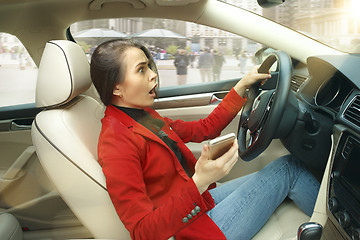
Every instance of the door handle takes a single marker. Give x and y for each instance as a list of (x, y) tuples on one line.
[(24, 124), (218, 97)]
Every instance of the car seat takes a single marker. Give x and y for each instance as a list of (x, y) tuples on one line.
[(65, 135)]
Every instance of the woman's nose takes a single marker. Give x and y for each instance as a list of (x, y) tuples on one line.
[(153, 75)]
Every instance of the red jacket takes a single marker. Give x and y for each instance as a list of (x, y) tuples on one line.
[(150, 190)]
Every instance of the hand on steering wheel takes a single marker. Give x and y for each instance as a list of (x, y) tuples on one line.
[(263, 111)]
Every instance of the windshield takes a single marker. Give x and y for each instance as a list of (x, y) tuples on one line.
[(332, 22)]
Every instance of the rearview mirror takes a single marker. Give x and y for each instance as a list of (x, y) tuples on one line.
[(270, 3)]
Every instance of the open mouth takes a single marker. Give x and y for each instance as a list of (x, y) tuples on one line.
[(152, 91)]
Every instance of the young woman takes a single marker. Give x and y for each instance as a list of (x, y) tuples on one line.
[(159, 189)]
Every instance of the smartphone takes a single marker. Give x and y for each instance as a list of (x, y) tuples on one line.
[(221, 145)]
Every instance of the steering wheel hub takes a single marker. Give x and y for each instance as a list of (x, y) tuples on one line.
[(260, 109)]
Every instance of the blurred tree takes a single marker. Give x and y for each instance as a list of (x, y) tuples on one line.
[(172, 49)]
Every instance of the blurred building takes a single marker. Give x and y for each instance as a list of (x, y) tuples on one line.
[(10, 43), (336, 22), (199, 36), (227, 43)]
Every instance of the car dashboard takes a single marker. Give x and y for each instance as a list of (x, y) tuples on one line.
[(330, 85)]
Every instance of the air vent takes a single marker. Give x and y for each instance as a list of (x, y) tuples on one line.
[(347, 148), (352, 113), (297, 81)]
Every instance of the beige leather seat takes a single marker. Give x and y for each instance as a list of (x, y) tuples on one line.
[(65, 136)]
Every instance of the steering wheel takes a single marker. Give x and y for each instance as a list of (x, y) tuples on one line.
[(263, 110)]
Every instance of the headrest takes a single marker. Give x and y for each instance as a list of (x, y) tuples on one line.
[(64, 73)]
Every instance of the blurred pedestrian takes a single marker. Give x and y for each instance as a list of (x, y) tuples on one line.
[(181, 62), (243, 61), (219, 61), (205, 65), (192, 59), (236, 53)]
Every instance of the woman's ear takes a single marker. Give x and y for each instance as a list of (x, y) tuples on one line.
[(117, 91)]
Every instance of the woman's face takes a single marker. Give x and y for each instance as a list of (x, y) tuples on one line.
[(137, 89)]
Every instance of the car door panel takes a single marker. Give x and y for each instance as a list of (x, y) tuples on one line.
[(25, 189), (190, 89)]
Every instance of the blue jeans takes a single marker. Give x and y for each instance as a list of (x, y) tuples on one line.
[(243, 205)]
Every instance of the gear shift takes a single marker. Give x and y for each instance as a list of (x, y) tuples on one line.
[(309, 231)]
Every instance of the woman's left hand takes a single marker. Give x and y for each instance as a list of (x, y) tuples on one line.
[(249, 79)]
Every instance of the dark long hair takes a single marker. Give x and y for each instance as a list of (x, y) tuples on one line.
[(107, 67)]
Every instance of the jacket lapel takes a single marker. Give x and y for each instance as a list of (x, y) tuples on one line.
[(140, 129)]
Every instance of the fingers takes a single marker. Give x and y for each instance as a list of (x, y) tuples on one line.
[(255, 72), (261, 76), (254, 77), (235, 156), (230, 164), (205, 152), (227, 157), (206, 149)]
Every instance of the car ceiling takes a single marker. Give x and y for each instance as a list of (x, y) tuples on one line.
[(36, 21)]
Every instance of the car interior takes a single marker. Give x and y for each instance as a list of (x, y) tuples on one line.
[(51, 185)]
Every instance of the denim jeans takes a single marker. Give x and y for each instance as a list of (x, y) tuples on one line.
[(243, 205)]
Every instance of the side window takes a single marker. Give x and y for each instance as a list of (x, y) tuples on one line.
[(185, 52), (17, 72)]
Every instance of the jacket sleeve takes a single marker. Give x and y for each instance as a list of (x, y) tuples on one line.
[(125, 183), (211, 126)]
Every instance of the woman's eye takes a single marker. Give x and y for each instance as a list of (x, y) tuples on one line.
[(144, 68)]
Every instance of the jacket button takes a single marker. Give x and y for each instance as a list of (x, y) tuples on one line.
[(189, 216), (193, 212), (197, 209), (185, 220)]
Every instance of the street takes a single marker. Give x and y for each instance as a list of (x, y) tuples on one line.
[(168, 77), (18, 82)]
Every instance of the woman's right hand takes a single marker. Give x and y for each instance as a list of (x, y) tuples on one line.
[(208, 170)]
